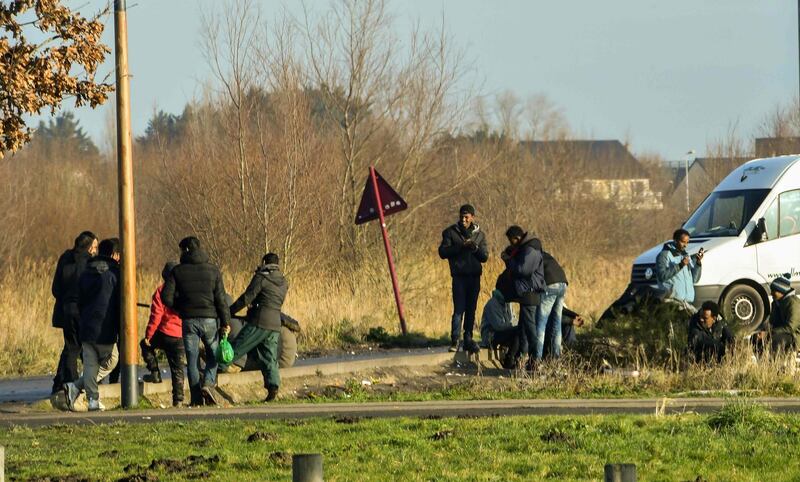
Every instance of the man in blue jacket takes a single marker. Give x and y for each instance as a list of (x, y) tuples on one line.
[(677, 272), (464, 247), (523, 282)]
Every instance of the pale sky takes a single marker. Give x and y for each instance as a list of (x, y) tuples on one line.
[(669, 76)]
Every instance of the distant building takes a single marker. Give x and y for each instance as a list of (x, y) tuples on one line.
[(704, 175), (597, 169), (777, 146)]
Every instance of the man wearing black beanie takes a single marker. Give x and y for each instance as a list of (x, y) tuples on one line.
[(464, 247)]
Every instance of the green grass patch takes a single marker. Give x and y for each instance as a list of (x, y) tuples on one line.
[(740, 442)]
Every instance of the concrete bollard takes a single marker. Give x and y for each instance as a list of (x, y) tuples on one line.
[(620, 473), (306, 468)]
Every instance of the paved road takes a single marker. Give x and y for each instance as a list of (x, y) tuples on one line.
[(33, 389), (470, 408)]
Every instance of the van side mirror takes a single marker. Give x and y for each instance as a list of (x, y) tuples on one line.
[(759, 234)]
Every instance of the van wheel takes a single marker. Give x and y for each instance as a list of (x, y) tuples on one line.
[(743, 309)]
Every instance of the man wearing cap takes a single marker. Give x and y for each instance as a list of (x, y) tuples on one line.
[(464, 247), (783, 327)]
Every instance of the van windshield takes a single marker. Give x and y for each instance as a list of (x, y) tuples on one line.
[(725, 213)]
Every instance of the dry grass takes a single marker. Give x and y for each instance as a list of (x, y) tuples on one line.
[(331, 308)]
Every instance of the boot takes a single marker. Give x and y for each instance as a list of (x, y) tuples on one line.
[(272, 394), (152, 377)]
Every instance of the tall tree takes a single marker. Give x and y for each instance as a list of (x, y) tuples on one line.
[(61, 63)]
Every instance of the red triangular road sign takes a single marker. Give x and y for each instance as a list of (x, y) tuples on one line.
[(368, 209)]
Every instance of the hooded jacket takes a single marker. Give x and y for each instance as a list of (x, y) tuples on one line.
[(98, 301), (785, 316), (69, 268), (700, 335), (463, 260), (264, 296), (194, 289), (496, 316), (674, 278), (553, 272), (526, 268), (163, 318)]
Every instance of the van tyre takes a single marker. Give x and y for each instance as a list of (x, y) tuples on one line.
[(743, 309)]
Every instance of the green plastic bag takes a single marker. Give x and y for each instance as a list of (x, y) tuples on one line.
[(224, 351)]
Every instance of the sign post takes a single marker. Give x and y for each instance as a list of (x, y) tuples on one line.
[(374, 205)]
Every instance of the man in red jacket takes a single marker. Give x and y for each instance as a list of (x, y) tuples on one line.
[(165, 332)]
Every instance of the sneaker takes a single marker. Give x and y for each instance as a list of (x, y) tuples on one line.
[(71, 394), (229, 369), (208, 395), (471, 347), (177, 402), (95, 405), (152, 377), (453, 347), (272, 394)]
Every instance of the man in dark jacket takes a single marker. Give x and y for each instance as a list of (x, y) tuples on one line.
[(548, 313), (783, 326), (195, 290), (709, 336), (464, 247), (523, 282), (65, 312), (98, 302), (264, 298)]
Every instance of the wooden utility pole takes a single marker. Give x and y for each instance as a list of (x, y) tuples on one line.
[(127, 226)]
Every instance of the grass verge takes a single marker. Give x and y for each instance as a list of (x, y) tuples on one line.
[(740, 442)]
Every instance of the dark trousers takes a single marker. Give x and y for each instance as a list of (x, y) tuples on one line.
[(706, 351), (527, 323), (173, 349), (465, 302), (265, 345), (67, 370), (782, 342), (510, 339)]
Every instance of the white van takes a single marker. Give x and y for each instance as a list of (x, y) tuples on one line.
[(749, 227)]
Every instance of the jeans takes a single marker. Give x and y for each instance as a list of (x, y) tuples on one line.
[(548, 315), (196, 330), (465, 302), (173, 348), (264, 343), (67, 370), (98, 361)]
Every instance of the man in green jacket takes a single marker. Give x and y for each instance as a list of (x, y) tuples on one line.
[(264, 298), (784, 320)]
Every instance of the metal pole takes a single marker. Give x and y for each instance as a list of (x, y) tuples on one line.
[(620, 473), (127, 228), (307, 468), (388, 248), (687, 183)]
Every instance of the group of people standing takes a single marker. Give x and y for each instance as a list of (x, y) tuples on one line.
[(532, 278), (189, 310)]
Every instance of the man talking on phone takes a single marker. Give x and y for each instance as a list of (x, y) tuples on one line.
[(677, 272), (464, 247)]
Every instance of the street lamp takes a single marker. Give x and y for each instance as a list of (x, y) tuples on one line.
[(689, 155)]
